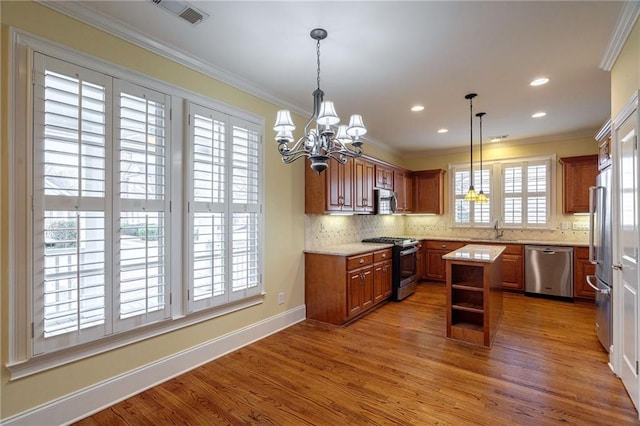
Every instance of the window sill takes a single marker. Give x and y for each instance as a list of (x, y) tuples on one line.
[(51, 360)]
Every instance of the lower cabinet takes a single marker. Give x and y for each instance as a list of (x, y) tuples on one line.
[(581, 268), (512, 262), (339, 289), (421, 264), (435, 266), (512, 267)]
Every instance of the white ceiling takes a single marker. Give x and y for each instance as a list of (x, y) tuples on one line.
[(382, 57)]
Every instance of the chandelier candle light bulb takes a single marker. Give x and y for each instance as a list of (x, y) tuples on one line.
[(321, 142)]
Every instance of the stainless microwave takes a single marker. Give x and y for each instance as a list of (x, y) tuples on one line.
[(386, 201)]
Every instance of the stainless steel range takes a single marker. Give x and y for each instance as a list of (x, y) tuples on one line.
[(405, 265)]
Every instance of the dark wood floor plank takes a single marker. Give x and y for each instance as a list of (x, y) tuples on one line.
[(395, 366)]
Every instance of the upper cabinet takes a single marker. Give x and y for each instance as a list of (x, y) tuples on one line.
[(604, 146), (578, 173), (384, 177), (429, 191), (331, 191), (363, 183), (403, 187)]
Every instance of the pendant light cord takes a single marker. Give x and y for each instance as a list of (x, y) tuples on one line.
[(471, 140)]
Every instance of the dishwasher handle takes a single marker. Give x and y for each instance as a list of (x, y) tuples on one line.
[(598, 290), (548, 251)]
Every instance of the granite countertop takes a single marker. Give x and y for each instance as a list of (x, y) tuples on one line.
[(476, 253), (503, 241), (348, 249)]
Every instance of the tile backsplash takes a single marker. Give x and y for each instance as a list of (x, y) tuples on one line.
[(327, 230)]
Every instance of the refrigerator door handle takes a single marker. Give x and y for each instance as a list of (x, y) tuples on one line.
[(598, 290), (592, 221)]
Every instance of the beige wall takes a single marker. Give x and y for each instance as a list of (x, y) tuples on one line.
[(625, 74), (284, 236)]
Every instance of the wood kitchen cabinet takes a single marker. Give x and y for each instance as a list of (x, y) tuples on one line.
[(474, 302), (331, 191), (403, 187), (604, 146), (339, 289), (384, 177), (512, 262), (429, 191), (420, 260), (363, 182), (581, 268), (382, 275), (578, 173), (435, 266)]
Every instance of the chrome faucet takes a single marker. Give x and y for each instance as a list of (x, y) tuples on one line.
[(497, 229)]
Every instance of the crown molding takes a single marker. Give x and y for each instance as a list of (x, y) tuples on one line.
[(103, 22), (624, 26)]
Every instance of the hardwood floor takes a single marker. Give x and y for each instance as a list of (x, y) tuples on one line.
[(395, 366)]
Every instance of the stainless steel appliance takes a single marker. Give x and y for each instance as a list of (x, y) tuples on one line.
[(600, 253), (405, 265), (548, 271), (386, 201)]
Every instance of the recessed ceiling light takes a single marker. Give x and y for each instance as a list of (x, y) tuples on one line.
[(497, 138), (539, 81), (443, 130), (539, 114), (417, 108)]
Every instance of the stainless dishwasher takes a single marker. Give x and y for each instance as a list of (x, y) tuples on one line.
[(548, 271)]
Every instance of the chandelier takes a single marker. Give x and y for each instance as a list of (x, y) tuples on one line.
[(320, 142)]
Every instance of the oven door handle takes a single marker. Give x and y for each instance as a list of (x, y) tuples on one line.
[(409, 251)]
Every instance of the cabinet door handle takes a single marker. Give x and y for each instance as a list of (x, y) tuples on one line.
[(443, 246), (361, 262)]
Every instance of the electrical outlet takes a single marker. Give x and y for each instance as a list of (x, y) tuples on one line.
[(280, 298), (564, 225), (580, 226), (322, 227)]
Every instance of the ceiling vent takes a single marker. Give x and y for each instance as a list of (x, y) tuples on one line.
[(182, 9)]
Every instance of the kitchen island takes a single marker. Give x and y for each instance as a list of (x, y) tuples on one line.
[(474, 293)]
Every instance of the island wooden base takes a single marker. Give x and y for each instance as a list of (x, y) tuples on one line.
[(474, 300)]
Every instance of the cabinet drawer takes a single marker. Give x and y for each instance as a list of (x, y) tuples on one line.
[(445, 245), (381, 255), (354, 262)]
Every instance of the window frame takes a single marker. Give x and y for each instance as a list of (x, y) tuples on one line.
[(497, 197), (22, 362)]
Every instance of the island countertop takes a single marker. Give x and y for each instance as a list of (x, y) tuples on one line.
[(476, 253)]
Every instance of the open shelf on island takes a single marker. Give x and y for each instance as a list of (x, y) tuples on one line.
[(474, 299)]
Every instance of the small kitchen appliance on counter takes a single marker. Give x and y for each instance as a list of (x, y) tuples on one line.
[(405, 265)]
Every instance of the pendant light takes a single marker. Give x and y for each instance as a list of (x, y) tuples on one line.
[(481, 198), (471, 193)]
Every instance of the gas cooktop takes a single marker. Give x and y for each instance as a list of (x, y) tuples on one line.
[(397, 241)]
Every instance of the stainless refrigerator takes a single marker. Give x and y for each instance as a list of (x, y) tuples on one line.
[(600, 253)]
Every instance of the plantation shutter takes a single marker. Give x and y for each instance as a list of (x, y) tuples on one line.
[(71, 206), (224, 208), (141, 202)]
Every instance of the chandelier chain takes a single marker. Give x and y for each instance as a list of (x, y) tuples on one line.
[(318, 61)]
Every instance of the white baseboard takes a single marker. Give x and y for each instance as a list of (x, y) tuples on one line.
[(85, 402)]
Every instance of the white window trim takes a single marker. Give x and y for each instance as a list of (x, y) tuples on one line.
[(496, 190), (21, 363)]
